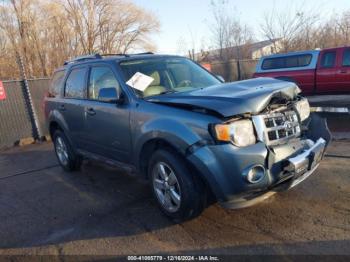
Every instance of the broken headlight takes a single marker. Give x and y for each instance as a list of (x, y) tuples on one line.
[(240, 132)]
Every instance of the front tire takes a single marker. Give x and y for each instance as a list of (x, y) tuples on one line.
[(179, 194), (67, 159)]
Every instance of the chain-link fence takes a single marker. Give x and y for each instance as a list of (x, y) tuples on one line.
[(16, 119)]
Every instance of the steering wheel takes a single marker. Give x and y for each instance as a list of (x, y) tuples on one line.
[(185, 83)]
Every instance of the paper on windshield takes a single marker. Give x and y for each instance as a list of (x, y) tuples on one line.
[(140, 81)]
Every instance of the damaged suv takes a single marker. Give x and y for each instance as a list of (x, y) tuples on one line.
[(192, 136)]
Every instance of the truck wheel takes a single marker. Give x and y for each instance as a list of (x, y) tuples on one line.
[(178, 193), (68, 160)]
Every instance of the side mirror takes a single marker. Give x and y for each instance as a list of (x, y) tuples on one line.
[(220, 78), (109, 95)]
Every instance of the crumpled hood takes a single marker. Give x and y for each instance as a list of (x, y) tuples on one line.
[(248, 96)]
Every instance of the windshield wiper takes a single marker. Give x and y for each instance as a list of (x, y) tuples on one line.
[(161, 93), (167, 92)]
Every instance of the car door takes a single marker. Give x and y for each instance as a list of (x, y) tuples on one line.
[(107, 124), (71, 106), (326, 73), (343, 73)]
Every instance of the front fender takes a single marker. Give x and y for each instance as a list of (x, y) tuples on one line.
[(174, 132)]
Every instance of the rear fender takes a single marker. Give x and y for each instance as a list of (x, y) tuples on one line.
[(56, 116)]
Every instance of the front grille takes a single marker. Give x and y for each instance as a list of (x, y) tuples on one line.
[(277, 128)]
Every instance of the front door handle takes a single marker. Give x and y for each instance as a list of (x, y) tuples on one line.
[(343, 71), (90, 111)]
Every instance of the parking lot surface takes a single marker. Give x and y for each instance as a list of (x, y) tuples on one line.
[(103, 210)]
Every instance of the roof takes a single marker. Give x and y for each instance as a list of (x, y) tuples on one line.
[(85, 59), (313, 52)]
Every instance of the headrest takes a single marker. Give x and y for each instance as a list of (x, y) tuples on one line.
[(155, 75)]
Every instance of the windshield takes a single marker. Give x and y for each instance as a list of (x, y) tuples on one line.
[(169, 75)]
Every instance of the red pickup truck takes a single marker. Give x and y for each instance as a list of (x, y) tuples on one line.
[(315, 71)]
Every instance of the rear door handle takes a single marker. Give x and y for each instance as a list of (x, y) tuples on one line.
[(90, 111), (62, 108), (343, 71)]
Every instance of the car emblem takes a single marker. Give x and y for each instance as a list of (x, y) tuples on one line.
[(288, 125)]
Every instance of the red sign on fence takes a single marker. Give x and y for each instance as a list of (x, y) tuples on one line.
[(2, 92), (207, 66)]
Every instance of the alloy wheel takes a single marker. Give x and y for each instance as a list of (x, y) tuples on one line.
[(61, 151), (167, 187)]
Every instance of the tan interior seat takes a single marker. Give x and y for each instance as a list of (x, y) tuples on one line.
[(154, 88)]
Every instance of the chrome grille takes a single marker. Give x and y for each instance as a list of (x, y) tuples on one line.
[(277, 128)]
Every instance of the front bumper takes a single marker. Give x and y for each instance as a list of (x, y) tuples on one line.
[(305, 163), (223, 166), (298, 169)]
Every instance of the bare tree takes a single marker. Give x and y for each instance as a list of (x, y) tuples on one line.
[(46, 33), (109, 25), (300, 28), (182, 46), (231, 37), (294, 26), (344, 26)]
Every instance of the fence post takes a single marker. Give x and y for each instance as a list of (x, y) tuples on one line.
[(37, 133), (238, 70)]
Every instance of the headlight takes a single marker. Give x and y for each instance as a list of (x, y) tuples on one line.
[(303, 109), (240, 133)]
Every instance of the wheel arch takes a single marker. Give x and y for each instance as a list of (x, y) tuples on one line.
[(161, 143), (53, 126), (57, 122), (150, 146)]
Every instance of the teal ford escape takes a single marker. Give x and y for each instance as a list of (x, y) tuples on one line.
[(195, 138)]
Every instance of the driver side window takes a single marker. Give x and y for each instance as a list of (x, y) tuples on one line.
[(101, 77)]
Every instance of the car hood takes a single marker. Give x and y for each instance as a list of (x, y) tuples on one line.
[(248, 96)]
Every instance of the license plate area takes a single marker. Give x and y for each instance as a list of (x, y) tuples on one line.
[(308, 159)]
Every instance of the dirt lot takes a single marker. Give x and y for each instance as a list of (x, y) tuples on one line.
[(101, 210)]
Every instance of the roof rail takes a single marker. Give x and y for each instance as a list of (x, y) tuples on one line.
[(115, 55), (145, 53), (127, 55), (83, 58), (99, 56)]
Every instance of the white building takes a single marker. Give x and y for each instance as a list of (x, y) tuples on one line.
[(247, 51)]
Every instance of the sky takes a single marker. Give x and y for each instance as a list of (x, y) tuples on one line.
[(188, 21)]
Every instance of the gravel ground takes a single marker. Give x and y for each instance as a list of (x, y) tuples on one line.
[(102, 210)]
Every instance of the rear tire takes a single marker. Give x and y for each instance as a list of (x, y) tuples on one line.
[(66, 156), (179, 194)]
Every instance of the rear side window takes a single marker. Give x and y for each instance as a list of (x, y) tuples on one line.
[(75, 84), (56, 83), (273, 63), (287, 62), (291, 61), (328, 59), (101, 77), (346, 58)]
